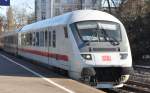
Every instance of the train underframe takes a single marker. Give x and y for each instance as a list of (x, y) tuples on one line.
[(106, 77)]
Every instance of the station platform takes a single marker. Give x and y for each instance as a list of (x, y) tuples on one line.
[(20, 76)]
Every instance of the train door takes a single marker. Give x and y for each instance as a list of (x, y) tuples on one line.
[(62, 47), (49, 34), (46, 45), (16, 43), (52, 48)]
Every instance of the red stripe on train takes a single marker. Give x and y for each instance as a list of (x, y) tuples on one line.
[(46, 54)]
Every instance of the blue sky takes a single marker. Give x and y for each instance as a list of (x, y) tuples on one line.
[(19, 4)]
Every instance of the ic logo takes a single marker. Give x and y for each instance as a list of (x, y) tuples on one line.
[(106, 58)]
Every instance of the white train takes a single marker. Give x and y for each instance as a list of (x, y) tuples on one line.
[(90, 45)]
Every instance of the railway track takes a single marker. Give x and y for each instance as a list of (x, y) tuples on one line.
[(141, 73), (131, 87), (142, 67), (139, 82), (137, 87)]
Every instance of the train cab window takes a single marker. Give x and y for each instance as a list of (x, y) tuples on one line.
[(50, 38), (46, 38), (76, 35), (65, 32), (37, 39), (54, 38), (42, 39), (99, 31)]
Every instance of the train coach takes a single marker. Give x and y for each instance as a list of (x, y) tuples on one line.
[(90, 45)]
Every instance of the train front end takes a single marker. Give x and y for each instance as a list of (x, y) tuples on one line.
[(105, 54)]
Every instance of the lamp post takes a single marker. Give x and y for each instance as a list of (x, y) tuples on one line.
[(52, 7), (108, 2)]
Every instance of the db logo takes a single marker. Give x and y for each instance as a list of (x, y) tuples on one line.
[(106, 58)]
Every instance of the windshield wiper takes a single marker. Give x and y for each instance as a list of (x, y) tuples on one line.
[(112, 40), (86, 42)]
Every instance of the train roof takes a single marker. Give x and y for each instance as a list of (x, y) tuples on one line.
[(71, 17)]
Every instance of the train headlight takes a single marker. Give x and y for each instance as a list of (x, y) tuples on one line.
[(87, 56), (123, 55), (124, 78)]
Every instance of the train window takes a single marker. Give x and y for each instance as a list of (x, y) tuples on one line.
[(46, 38), (49, 38), (54, 38), (41, 38), (22, 39), (33, 39), (12, 39), (37, 39), (7, 40), (65, 32), (15, 39), (28, 39), (25, 39)]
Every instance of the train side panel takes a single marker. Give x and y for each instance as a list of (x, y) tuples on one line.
[(49, 45), (10, 42)]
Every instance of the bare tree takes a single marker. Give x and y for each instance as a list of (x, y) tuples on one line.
[(1, 24), (147, 6), (22, 17)]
